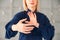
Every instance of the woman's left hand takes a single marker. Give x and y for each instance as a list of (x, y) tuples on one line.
[(33, 19)]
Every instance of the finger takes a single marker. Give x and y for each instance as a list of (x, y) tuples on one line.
[(29, 14), (31, 27), (34, 15), (28, 25), (26, 21), (23, 20), (27, 32), (28, 29)]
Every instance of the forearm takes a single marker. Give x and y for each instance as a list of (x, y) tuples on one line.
[(9, 32)]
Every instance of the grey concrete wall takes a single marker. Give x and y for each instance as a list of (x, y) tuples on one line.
[(8, 8)]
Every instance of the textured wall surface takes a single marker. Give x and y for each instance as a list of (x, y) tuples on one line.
[(8, 8)]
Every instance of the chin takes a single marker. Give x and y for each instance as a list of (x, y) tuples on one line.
[(32, 5)]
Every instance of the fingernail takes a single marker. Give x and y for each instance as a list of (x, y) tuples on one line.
[(25, 18)]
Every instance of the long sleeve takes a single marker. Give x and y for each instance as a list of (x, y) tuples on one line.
[(46, 29), (9, 32)]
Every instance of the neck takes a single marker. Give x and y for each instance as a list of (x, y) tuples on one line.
[(32, 9)]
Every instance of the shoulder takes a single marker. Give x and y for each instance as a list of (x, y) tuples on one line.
[(42, 15), (20, 13)]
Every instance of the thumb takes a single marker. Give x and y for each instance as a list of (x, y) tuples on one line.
[(23, 20), (26, 21)]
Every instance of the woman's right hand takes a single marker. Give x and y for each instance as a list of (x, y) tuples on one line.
[(21, 27)]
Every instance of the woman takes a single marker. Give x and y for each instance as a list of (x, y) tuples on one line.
[(31, 24)]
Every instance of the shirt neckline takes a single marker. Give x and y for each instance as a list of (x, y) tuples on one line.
[(30, 11)]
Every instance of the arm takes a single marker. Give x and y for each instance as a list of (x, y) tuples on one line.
[(9, 32), (46, 29)]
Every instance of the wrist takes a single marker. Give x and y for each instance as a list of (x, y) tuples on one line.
[(14, 27)]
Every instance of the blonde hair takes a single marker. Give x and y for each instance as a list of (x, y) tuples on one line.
[(25, 5)]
